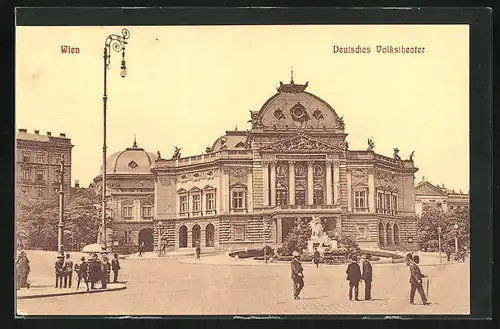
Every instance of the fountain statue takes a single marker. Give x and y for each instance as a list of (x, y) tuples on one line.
[(319, 238)]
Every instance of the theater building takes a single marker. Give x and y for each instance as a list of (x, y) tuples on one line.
[(439, 196), (130, 196), (294, 162)]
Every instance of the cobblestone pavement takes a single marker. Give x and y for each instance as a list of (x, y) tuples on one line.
[(169, 287)]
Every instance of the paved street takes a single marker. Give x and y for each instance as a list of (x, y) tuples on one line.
[(173, 287)]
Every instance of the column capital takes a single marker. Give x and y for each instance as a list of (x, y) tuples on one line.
[(265, 162), (329, 162), (310, 162), (292, 162)]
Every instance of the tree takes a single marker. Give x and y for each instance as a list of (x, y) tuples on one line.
[(297, 239), (37, 221), (460, 217)]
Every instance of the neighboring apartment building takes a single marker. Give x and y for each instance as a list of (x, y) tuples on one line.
[(38, 163), (440, 196)]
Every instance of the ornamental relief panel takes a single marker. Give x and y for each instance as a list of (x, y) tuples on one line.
[(237, 174), (387, 181), (197, 176), (359, 176)]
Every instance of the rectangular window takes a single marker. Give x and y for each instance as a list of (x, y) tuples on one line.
[(26, 174), (24, 189), (360, 199), (238, 200), (147, 211), (388, 203), (196, 203), (395, 203), (300, 197), (39, 175), (380, 201), (26, 156), (39, 192), (127, 211), (210, 198), (39, 158), (183, 204), (239, 232)]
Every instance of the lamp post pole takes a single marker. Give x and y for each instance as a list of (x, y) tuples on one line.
[(439, 243), (60, 226), (456, 237), (117, 43)]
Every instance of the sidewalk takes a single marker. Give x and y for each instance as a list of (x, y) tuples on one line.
[(39, 291), (171, 254)]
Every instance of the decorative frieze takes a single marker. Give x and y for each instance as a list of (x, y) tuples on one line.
[(197, 176)]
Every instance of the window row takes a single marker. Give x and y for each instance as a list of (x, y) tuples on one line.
[(283, 196), (388, 234), (40, 157), (40, 191), (196, 236), (146, 211), (192, 202), (387, 203), (39, 175)]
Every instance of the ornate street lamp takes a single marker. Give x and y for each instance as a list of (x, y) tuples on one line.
[(117, 43), (439, 243), (60, 226), (456, 237)]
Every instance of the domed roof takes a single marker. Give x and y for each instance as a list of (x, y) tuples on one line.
[(292, 107), (133, 160)]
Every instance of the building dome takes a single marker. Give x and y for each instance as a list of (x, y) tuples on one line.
[(292, 107), (132, 160)]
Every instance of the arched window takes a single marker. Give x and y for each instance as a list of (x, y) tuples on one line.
[(196, 232), (318, 194), (388, 234), (396, 234), (381, 234), (281, 194), (300, 195), (209, 235), (183, 236)]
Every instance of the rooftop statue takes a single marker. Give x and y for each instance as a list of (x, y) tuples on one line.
[(396, 156), (177, 153), (371, 144)]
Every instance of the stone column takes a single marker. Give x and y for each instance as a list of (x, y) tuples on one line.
[(226, 195), (336, 181), (265, 183), (328, 183), (279, 230), (273, 183), (219, 196), (310, 181), (291, 183), (371, 191), (349, 192), (249, 191)]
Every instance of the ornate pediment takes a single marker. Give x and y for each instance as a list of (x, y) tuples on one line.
[(426, 188), (300, 144)]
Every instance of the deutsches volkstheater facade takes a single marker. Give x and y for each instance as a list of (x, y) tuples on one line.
[(294, 162)]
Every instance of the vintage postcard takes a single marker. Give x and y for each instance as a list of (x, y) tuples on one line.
[(242, 170)]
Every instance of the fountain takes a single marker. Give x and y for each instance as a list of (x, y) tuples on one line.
[(319, 238)]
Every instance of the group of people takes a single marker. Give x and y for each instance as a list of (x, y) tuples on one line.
[(91, 271), (356, 274)]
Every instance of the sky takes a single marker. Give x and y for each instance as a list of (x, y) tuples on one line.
[(187, 85)]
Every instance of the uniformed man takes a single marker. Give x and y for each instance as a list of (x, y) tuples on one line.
[(316, 257), (353, 276), (297, 275), (82, 272), (68, 271), (416, 281), (115, 266), (59, 271), (366, 276)]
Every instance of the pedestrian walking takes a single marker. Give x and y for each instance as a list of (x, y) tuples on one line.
[(141, 247), (366, 276), (353, 276), (105, 271), (23, 270), (416, 281), (82, 270), (115, 266), (163, 247), (198, 251), (59, 271), (297, 275), (316, 257), (94, 271), (68, 271)]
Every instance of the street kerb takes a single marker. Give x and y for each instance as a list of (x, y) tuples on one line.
[(34, 293)]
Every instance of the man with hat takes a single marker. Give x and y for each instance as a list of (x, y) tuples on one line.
[(297, 275), (353, 276), (59, 269), (367, 276), (115, 266), (94, 271), (68, 271), (82, 270), (416, 281), (23, 269)]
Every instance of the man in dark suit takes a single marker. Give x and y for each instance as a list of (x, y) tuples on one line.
[(297, 275), (68, 271), (82, 272), (94, 271), (59, 269), (115, 266), (416, 281), (367, 276), (316, 257), (353, 275)]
